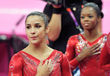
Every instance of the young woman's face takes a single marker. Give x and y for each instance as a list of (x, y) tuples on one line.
[(35, 29), (89, 18)]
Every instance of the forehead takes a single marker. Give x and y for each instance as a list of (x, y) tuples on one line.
[(34, 18), (88, 10)]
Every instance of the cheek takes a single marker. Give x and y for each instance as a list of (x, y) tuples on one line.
[(82, 22), (94, 22), (27, 33), (42, 34)]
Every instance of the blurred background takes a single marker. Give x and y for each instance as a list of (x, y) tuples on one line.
[(12, 16)]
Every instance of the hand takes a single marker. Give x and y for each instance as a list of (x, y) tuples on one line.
[(56, 6), (89, 51), (54, 3), (44, 69)]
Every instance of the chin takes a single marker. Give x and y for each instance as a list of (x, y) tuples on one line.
[(35, 42), (87, 28)]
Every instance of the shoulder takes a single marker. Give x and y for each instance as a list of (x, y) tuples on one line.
[(108, 35), (73, 39), (61, 57), (104, 36), (16, 61), (57, 52), (17, 55), (16, 58)]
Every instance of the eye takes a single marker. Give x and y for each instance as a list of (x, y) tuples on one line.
[(90, 16), (37, 25), (28, 27), (82, 17)]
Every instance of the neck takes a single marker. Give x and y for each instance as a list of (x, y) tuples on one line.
[(92, 34), (38, 48)]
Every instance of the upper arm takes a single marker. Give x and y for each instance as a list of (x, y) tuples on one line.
[(70, 49), (15, 66), (54, 23)]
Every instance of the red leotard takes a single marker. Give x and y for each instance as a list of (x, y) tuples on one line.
[(24, 64), (90, 65)]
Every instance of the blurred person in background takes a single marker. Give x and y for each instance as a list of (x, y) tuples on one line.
[(62, 25)]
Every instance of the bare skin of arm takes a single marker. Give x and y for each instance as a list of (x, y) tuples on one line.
[(54, 26)]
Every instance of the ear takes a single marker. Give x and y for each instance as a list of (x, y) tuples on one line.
[(98, 20)]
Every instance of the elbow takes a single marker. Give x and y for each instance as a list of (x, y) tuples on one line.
[(53, 38), (53, 35)]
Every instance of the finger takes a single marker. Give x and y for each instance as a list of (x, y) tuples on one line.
[(41, 62), (50, 62), (96, 53), (50, 65), (95, 46), (46, 62)]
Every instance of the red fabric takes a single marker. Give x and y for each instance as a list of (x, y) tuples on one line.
[(24, 64), (90, 65), (105, 56), (70, 51)]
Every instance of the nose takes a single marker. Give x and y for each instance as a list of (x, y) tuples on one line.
[(86, 19), (33, 31)]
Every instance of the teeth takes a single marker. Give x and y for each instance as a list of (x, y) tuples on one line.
[(86, 24)]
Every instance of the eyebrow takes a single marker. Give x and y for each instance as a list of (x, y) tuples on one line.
[(37, 23), (86, 14), (34, 23)]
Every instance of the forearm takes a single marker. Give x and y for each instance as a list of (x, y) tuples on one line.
[(54, 27), (66, 71), (75, 62)]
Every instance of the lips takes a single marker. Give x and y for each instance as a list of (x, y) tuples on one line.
[(34, 37), (86, 24)]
